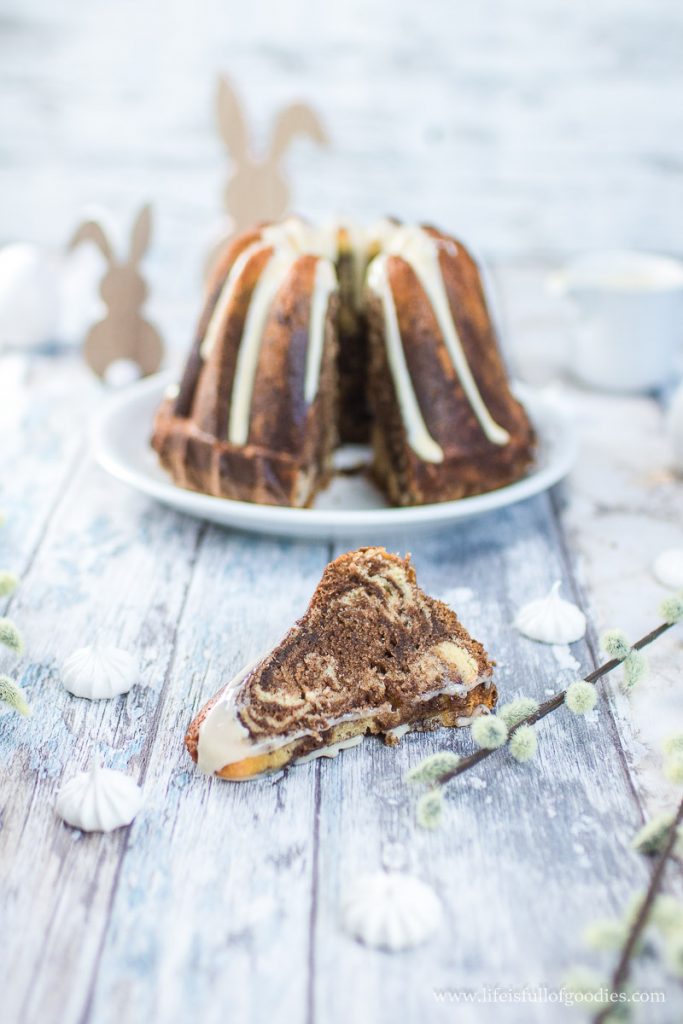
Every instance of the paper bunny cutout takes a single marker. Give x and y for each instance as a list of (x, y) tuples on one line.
[(123, 333), (257, 189)]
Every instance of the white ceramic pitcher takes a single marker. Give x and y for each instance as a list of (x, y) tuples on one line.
[(630, 318)]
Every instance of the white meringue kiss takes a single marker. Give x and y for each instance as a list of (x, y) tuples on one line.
[(668, 568), (551, 619), (99, 800), (390, 910), (99, 672)]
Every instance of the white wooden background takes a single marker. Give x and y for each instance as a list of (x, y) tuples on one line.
[(533, 130)]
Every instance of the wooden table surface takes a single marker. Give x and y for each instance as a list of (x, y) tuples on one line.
[(222, 901)]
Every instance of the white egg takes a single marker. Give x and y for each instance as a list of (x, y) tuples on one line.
[(30, 296)]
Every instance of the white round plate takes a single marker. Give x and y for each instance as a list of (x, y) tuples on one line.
[(350, 507)]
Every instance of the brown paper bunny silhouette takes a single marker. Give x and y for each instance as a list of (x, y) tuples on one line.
[(124, 333), (257, 189)]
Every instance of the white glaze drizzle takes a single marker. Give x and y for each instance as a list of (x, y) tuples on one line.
[(360, 250), (332, 750), (325, 284), (222, 737), (419, 438), (262, 297), (224, 740), (218, 316), (303, 238), (292, 238), (421, 252), (289, 240), (399, 731)]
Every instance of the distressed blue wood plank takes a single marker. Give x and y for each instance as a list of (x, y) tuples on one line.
[(515, 839), (113, 567), (222, 901), (210, 917), (45, 406)]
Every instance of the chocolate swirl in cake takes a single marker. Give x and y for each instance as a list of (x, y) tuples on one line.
[(373, 653)]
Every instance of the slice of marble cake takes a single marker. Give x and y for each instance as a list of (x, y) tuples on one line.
[(373, 654)]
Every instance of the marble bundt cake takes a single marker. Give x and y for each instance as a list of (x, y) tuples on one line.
[(315, 336), (372, 655)]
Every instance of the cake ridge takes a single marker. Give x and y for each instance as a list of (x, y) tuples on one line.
[(221, 306), (419, 437), (324, 285), (273, 275), (420, 251)]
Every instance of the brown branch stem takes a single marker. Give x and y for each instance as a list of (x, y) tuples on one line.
[(621, 971), (549, 705)]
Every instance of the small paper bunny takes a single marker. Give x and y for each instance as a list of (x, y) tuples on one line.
[(123, 333), (258, 189)]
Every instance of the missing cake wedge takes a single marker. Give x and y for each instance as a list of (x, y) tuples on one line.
[(372, 655)]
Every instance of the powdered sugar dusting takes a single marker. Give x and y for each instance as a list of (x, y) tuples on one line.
[(564, 658)]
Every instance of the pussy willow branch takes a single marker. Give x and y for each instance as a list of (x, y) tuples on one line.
[(621, 971), (552, 704)]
